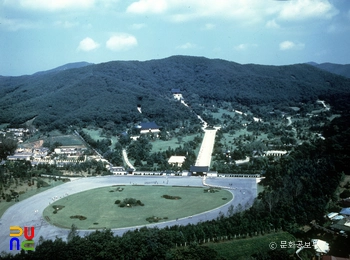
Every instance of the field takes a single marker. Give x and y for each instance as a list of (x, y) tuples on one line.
[(97, 135), (235, 249), (66, 140), (94, 133), (160, 145), (55, 136), (98, 206)]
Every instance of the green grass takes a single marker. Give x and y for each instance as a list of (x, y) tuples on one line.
[(66, 140), (94, 133), (32, 190), (98, 206), (56, 136), (160, 145), (237, 248), (219, 114), (4, 125), (260, 188)]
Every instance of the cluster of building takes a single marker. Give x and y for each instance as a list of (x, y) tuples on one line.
[(340, 220), (61, 155), (29, 154), (18, 133)]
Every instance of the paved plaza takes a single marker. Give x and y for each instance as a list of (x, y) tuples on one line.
[(29, 211)]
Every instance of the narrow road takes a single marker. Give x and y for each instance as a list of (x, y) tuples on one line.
[(126, 159)]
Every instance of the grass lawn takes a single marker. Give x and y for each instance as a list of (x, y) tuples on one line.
[(56, 136), (33, 190), (98, 206), (218, 115), (94, 133), (160, 145), (66, 140), (4, 125), (237, 248), (260, 188)]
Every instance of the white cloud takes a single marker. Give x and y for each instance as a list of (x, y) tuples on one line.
[(50, 5), (249, 11), (244, 46), (148, 6), (121, 41), (304, 9), (88, 44), (272, 24), (241, 47), (138, 26), (209, 26), (187, 45), (66, 24), (289, 45), (180, 11), (17, 24)]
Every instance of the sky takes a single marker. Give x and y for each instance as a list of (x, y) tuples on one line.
[(38, 35)]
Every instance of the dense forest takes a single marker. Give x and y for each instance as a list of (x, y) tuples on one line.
[(107, 95), (340, 69)]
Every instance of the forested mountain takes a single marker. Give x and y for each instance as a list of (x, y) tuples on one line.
[(109, 93), (340, 69), (68, 66)]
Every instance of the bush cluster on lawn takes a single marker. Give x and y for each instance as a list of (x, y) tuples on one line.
[(57, 208), (169, 197), (211, 190), (155, 219), (129, 202), (80, 217), (117, 189)]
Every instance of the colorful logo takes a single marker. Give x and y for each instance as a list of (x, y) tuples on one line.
[(15, 232)]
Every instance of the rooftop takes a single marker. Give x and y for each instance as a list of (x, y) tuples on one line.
[(149, 125)]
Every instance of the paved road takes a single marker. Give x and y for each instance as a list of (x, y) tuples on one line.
[(29, 212), (126, 159), (204, 155)]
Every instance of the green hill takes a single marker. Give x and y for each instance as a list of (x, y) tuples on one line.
[(109, 93), (340, 69)]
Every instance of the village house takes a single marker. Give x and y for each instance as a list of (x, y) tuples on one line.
[(199, 170), (149, 127), (177, 160), (177, 93)]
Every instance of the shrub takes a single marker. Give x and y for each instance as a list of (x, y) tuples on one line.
[(169, 197), (130, 202), (117, 202), (80, 217), (211, 190), (154, 219)]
